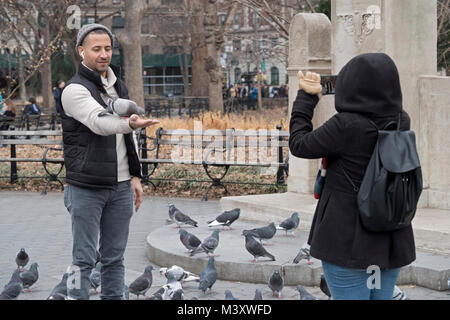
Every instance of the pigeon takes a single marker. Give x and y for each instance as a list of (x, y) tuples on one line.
[(290, 223), (13, 288), (256, 249), (324, 286), (158, 295), (126, 293), (179, 274), (179, 217), (304, 295), (208, 276), (178, 295), (208, 245), (59, 292), (258, 295), (141, 285), (303, 254), (276, 283), (29, 277), (189, 240), (229, 295), (399, 294), (22, 259), (95, 276), (263, 233), (122, 107), (172, 286), (225, 219)]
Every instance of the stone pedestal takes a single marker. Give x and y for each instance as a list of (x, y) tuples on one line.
[(434, 141), (309, 50), (403, 29)]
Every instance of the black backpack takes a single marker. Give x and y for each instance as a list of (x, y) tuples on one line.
[(392, 184)]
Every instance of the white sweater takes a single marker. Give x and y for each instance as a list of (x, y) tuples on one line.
[(79, 104)]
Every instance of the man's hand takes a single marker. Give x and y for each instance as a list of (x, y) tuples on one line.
[(310, 83), (138, 192), (135, 122)]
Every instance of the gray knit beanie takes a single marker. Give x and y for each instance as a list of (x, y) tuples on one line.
[(87, 28)]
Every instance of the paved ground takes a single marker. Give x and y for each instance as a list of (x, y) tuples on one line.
[(41, 225)]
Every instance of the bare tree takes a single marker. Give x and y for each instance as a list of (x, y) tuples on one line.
[(130, 40), (443, 32), (35, 27)]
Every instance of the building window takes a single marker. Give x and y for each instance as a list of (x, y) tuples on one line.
[(144, 26), (171, 50), (256, 20), (145, 50), (274, 42), (237, 21), (237, 75), (236, 45), (274, 76), (117, 1), (88, 20), (170, 2), (222, 18)]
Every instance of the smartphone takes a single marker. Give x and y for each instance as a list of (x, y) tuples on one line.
[(328, 83)]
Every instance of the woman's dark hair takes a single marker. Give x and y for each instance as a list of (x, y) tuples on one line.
[(32, 100)]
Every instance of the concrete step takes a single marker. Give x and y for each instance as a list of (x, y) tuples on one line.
[(164, 248), (431, 226)]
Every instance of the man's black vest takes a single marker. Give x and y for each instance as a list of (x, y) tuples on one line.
[(91, 159)]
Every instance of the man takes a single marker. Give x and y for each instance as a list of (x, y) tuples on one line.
[(32, 108), (102, 165), (57, 95)]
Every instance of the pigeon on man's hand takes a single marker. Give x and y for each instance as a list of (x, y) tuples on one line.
[(208, 276), (225, 219), (208, 245), (22, 259), (29, 277), (59, 292), (256, 249), (289, 224), (179, 217), (189, 240), (303, 254), (122, 107), (276, 283), (141, 285), (263, 233), (304, 295), (13, 288)]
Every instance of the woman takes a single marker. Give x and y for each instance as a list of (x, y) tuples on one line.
[(368, 87)]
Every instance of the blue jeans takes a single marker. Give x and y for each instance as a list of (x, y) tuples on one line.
[(99, 216), (352, 284)]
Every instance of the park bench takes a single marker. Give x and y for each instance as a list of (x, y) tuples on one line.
[(30, 122), (214, 148), (175, 106), (47, 139)]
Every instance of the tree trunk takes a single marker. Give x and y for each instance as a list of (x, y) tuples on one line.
[(199, 52), (20, 67), (46, 72), (212, 64), (130, 40)]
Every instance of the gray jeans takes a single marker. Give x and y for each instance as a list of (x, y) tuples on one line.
[(99, 216)]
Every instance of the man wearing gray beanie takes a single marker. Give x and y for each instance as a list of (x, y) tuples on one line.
[(103, 170)]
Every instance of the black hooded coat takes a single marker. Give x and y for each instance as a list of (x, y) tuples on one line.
[(368, 87)]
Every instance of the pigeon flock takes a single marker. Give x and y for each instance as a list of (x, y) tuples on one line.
[(22, 280)]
